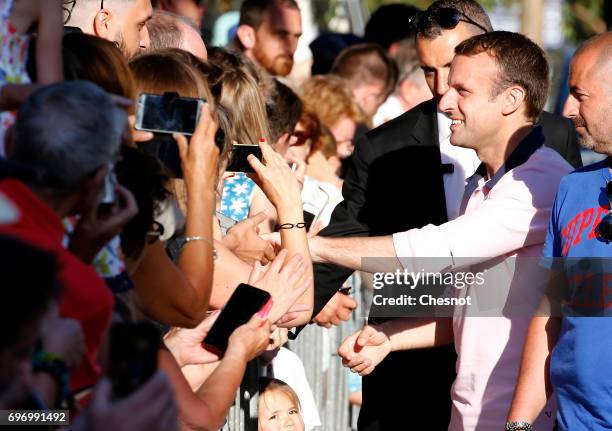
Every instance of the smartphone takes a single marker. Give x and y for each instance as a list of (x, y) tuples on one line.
[(133, 356), (167, 113), (238, 159), (109, 188), (308, 219), (244, 302)]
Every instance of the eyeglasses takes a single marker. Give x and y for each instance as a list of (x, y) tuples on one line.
[(604, 230), (446, 17)]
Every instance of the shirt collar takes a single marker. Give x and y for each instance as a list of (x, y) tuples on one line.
[(524, 150), (444, 123)]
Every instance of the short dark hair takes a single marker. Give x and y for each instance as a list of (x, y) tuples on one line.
[(364, 63), (388, 24), (251, 11), (30, 280), (428, 27), (520, 62), (283, 107)]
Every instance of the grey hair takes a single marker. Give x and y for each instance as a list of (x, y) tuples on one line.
[(65, 131)]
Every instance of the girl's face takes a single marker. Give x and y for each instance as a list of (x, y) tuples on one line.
[(278, 412)]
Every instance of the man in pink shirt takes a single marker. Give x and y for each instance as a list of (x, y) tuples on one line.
[(498, 85)]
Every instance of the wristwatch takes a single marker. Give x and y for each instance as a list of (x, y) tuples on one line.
[(518, 426)]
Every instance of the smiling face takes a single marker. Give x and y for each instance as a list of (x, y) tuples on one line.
[(477, 115), (436, 55), (278, 412), (277, 38), (588, 104)]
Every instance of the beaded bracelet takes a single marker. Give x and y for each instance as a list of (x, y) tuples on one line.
[(291, 226)]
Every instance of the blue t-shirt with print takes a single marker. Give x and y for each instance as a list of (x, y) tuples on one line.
[(581, 362)]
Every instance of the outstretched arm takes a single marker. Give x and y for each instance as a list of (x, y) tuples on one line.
[(349, 252)]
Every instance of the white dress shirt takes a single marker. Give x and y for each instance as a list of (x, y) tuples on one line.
[(465, 163)]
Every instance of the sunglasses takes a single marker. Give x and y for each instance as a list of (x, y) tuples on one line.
[(604, 230), (446, 17)]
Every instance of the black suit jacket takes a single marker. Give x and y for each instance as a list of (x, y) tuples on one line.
[(395, 183)]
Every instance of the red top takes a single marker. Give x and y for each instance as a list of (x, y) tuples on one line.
[(85, 296)]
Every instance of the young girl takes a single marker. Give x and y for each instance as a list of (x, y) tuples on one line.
[(279, 407), (17, 19)]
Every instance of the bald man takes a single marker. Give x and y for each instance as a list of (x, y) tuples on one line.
[(120, 21), (579, 368), (168, 30)]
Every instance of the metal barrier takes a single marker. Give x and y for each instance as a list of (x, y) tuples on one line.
[(317, 347)]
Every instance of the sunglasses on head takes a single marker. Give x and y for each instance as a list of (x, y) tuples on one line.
[(604, 230), (446, 17)]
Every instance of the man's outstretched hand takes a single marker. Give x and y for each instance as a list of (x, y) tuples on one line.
[(364, 350)]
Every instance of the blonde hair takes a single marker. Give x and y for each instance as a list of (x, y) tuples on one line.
[(331, 99), (238, 91)]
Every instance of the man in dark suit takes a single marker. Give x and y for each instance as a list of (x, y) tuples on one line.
[(399, 180)]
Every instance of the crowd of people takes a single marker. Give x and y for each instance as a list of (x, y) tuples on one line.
[(424, 144)]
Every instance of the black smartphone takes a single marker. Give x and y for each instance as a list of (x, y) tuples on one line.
[(238, 158), (132, 357), (167, 113), (308, 219), (244, 302), (164, 148)]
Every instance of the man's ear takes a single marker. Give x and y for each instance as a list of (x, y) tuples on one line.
[(246, 36), (514, 98), (102, 25)]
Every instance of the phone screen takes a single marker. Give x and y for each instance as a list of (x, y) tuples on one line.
[(167, 113), (244, 302), (238, 159), (133, 356)]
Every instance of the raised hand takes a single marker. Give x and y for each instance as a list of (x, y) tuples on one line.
[(96, 228), (275, 178), (199, 156), (286, 280), (251, 339), (244, 241), (186, 344), (337, 310), (364, 350)]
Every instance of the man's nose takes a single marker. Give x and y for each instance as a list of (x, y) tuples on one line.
[(441, 84), (291, 43), (570, 109), (448, 102), (144, 38)]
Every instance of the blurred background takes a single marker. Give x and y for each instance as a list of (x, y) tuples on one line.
[(559, 26)]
